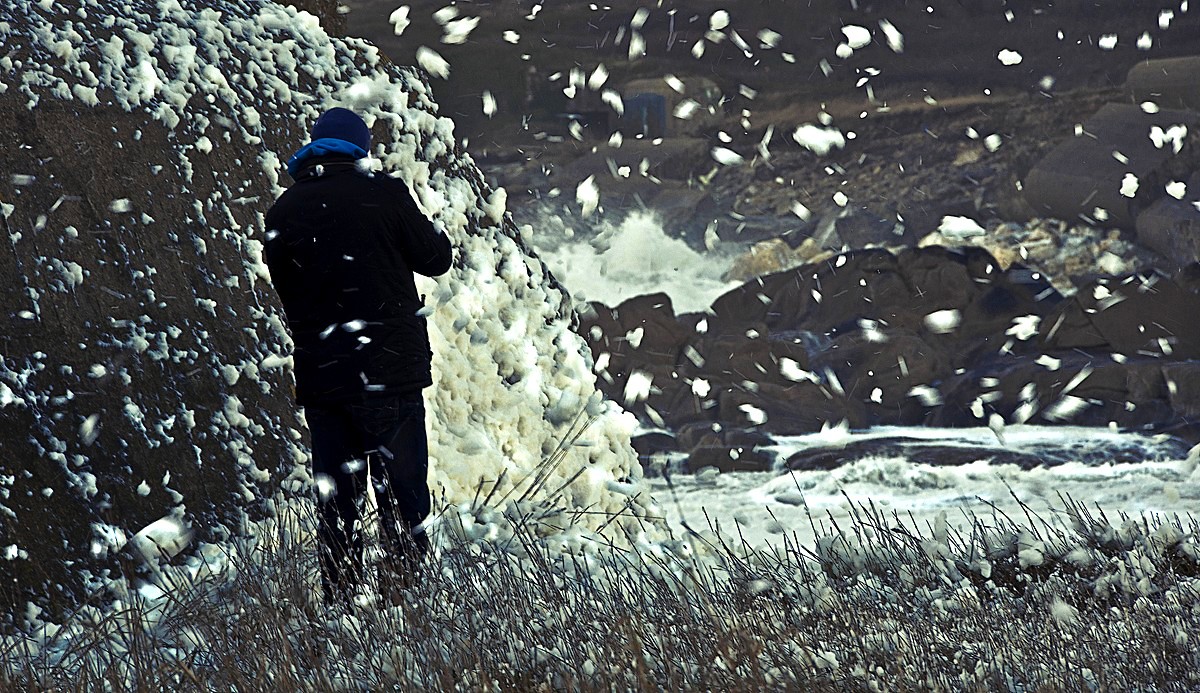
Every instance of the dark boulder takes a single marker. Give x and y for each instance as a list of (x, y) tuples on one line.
[(729, 450), (1082, 174), (1171, 228), (1169, 82), (654, 449)]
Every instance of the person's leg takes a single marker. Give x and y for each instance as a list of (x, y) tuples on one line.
[(339, 469), (399, 470), (404, 472)]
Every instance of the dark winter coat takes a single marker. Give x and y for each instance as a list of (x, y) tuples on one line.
[(342, 247)]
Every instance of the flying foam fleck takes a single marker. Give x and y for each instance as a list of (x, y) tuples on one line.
[(432, 62), (895, 39), (637, 388), (587, 194), (726, 157), (1009, 57), (819, 140), (458, 30), (856, 36), (943, 321), (769, 38), (1129, 185), (399, 19)]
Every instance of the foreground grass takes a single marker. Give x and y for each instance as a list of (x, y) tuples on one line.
[(1077, 602)]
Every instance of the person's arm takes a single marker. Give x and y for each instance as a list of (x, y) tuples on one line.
[(426, 250)]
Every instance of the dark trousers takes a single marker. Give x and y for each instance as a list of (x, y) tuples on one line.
[(388, 431)]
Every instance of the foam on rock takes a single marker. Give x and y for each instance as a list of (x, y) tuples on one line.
[(143, 372)]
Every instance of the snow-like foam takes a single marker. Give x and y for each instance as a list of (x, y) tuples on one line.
[(767, 506), (633, 258)]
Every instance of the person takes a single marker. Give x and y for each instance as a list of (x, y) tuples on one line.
[(342, 246)]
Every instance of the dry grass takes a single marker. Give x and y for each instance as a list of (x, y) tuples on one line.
[(1078, 602)]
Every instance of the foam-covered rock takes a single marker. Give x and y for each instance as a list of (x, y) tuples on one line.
[(145, 364)]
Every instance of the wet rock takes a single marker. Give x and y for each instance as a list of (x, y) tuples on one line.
[(958, 453), (1141, 314), (1170, 82), (1171, 227), (916, 452), (728, 459), (859, 227), (711, 451), (654, 448), (1081, 174), (1183, 382), (640, 334), (710, 444), (926, 336)]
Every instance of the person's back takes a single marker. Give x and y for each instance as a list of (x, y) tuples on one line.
[(342, 246), (342, 259)]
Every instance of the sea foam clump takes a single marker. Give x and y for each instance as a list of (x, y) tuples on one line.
[(168, 325)]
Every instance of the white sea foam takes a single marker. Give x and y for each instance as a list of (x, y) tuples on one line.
[(767, 505), (634, 258)]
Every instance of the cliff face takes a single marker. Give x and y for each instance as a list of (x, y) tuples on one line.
[(144, 361)]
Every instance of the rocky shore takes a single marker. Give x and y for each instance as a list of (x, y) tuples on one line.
[(902, 273), (923, 336)]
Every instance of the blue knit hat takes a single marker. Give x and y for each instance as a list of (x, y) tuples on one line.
[(342, 124)]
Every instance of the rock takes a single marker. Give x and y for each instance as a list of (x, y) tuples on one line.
[(924, 451), (748, 356), (1141, 314), (1067, 255), (774, 255), (1169, 82), (727, 448), (1183, 388), (1171, 227), (1101, 391), (683, 211), (919, 452), (650, 328), (792, 409), (642, 336), (642, 328), (882, 374), (854, 228), (728, 459), (654, 449), (1082, 174)]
